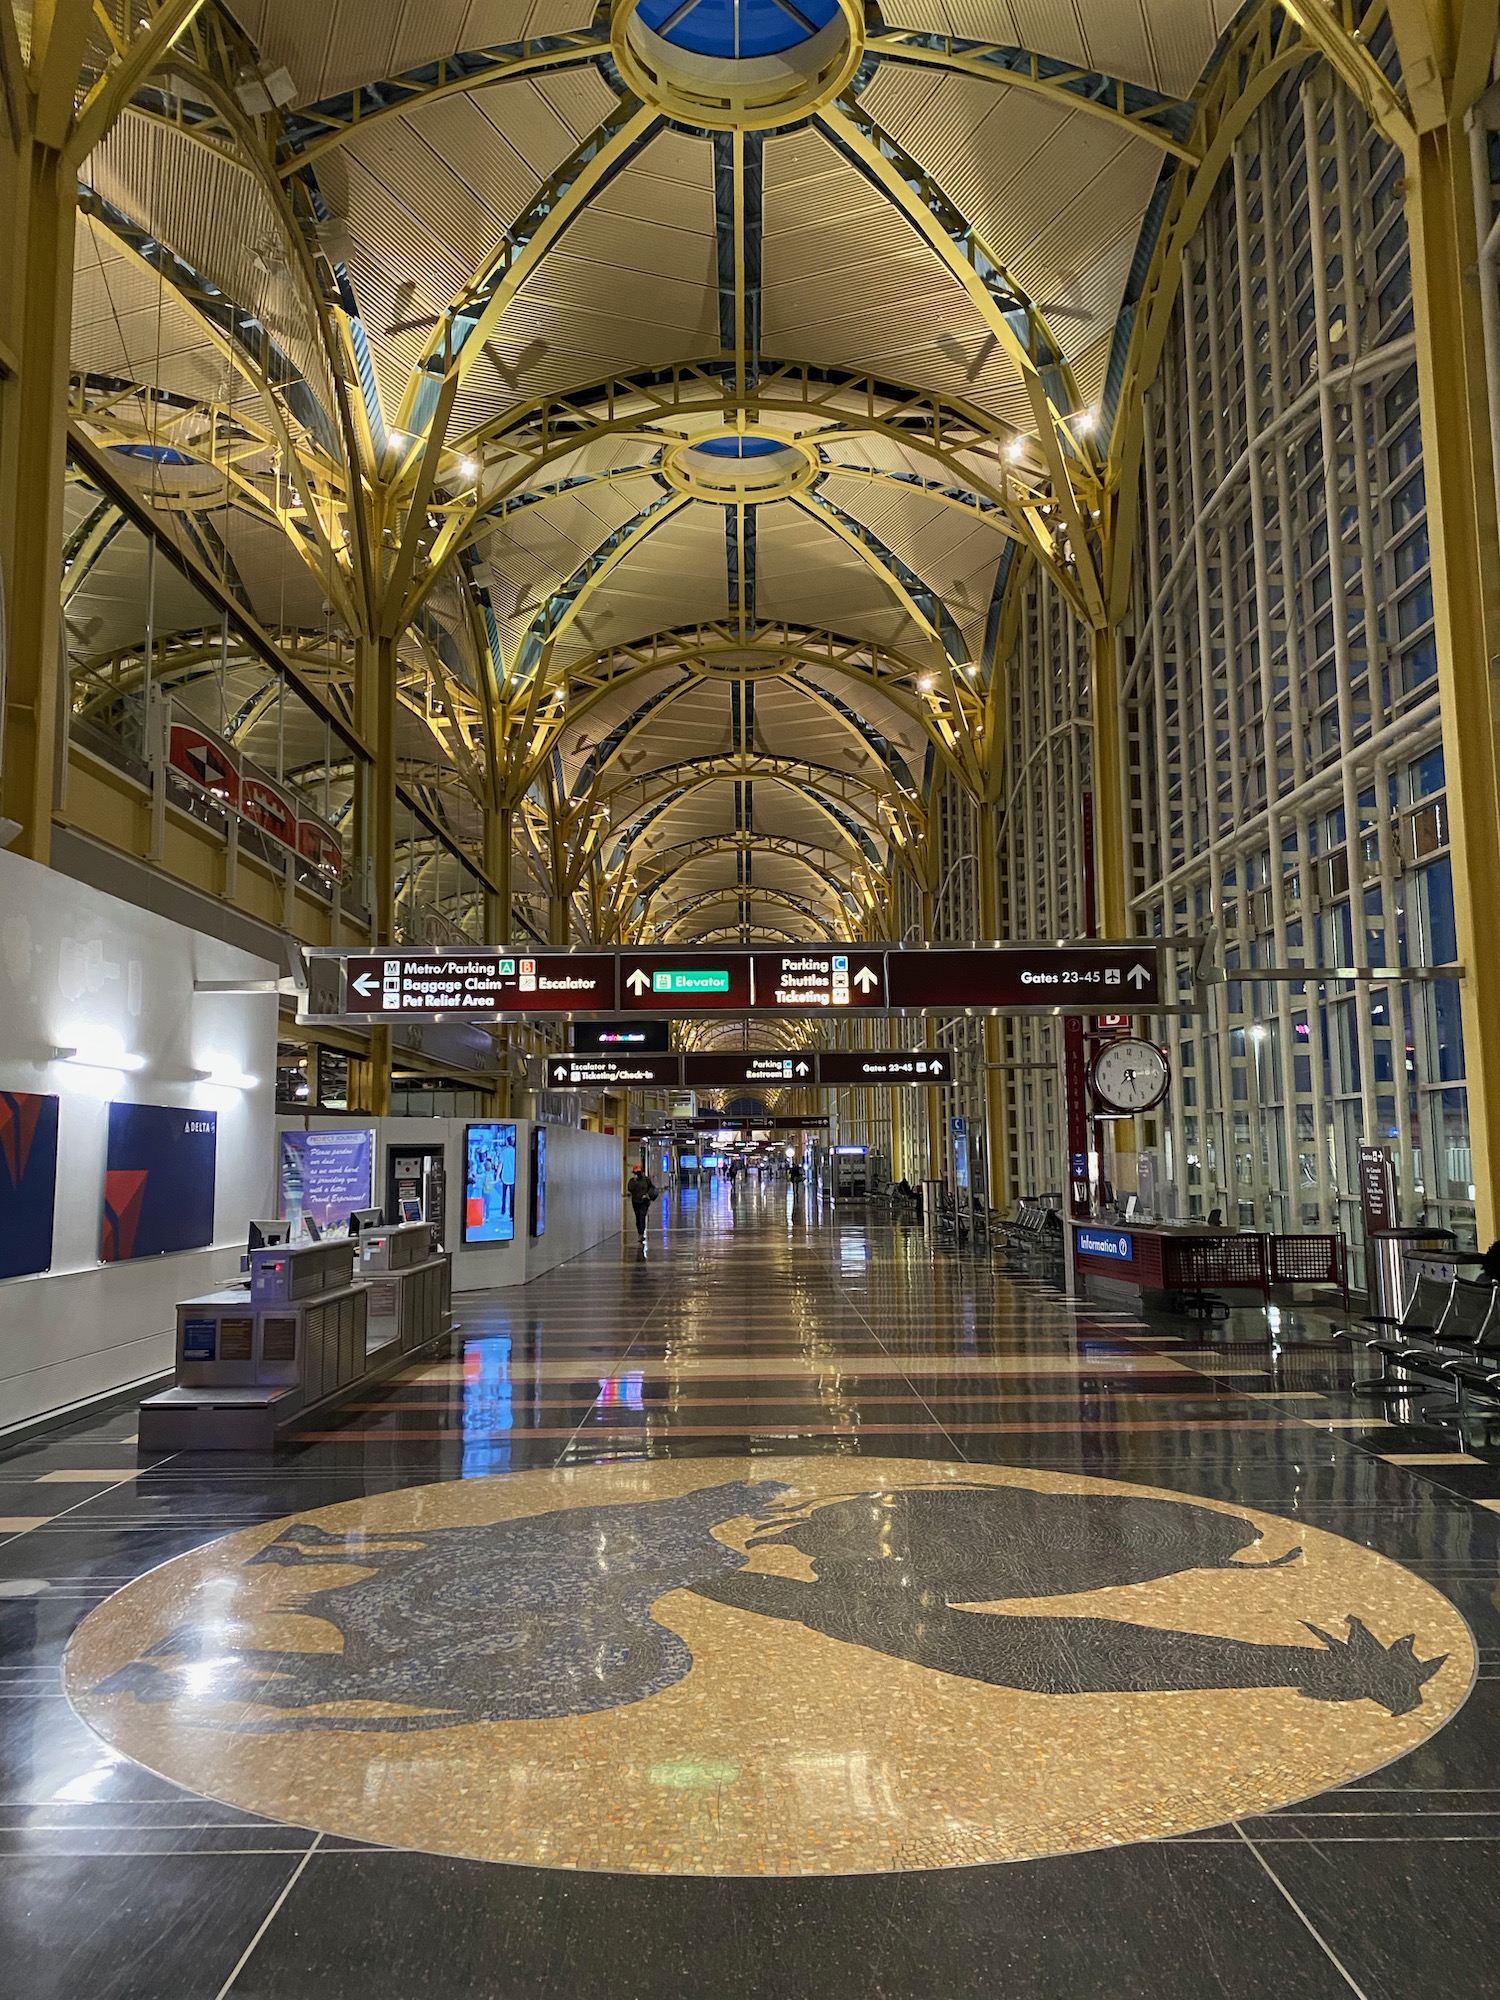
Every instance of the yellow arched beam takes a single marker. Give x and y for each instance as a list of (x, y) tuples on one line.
[(955, 434), (809, 781), (1065, 455), (772, 846)]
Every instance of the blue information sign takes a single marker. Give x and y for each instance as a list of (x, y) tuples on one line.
[(1116, 1243)]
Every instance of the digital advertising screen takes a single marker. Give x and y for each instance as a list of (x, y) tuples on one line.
[(489, 1183), (538, 1180), (326, 1176), (28, 1181), (158, 1180)]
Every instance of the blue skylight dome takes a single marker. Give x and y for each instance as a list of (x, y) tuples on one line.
[(736, 29), (741, 447)]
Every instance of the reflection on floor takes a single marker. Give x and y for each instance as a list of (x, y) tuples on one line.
[(780, 1428)]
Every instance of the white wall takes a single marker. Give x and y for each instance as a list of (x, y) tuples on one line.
[(585, 1193), (75, 964)]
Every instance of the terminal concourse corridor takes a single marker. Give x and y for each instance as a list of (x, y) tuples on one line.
[(807, 1439)]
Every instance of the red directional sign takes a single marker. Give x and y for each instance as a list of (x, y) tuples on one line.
[(1033, 977), (409, 983), (1097, 978)]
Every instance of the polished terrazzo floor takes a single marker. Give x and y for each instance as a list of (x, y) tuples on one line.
[(1192, 1638)]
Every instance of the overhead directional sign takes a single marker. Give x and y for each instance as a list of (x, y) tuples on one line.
[(401, 984), (804, 1069), (777, 1069), (884, 1066), (420, 983), (1026, 976), (606, 1072), (810, 979), (685, 982)]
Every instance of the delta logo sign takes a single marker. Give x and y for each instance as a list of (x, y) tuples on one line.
[(158, 1181)]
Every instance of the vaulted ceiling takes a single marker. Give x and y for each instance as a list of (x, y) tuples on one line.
[(683, 412)]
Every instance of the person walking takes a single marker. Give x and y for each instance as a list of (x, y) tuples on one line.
[(642, 1191)]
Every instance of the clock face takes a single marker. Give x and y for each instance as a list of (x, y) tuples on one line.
[(1130, 1075)]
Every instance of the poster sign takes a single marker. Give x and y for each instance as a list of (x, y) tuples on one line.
[(489, 1183), (200, 1339), (28, 1181), (158, 1180), (325, 1176)]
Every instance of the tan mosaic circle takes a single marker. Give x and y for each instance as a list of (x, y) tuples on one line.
[(919, 1665)]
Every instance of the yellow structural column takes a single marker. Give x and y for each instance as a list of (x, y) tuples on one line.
[(38, 186), (1461, 521), (996, 1136), (1108, 785), (375, 822), (498, 832)]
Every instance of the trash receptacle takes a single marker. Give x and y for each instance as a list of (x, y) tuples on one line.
[(1388, 1275)]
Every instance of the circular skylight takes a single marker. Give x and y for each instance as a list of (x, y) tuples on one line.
[(737, 29), (742, 447), (737, 470), (737, 65)]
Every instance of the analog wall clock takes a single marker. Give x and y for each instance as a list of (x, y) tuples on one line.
[(1130, 1076)]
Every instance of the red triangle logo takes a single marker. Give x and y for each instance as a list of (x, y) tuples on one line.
[(124, 1191)]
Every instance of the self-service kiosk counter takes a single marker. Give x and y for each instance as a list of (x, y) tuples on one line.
[(303, 1334)]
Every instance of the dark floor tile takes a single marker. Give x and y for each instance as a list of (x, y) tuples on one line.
[(130, 1927), (1418, 1916), (1168, 1922)]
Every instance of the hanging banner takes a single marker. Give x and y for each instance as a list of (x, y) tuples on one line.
[(319, 845), (205, 760), (216, 767), (266, 805)]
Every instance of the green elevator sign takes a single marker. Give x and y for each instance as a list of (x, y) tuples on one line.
[(696, 979)]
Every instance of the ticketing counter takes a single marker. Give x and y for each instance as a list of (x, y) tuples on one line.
[(315, 1322)]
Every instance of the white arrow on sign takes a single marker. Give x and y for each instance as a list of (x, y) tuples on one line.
[(865, 978), (802, 1069), (366, 984), (1138, 976), (638, 981)]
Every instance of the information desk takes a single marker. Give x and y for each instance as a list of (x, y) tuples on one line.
[(1171, 1257), (248, 1370)]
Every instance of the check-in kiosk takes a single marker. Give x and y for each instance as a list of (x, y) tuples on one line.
[(410, 1287), (306, 1331)]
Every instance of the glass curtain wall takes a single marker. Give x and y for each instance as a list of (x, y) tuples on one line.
[(1285, 764)]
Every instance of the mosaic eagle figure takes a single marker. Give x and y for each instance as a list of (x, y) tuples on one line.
[(553, 1615)]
